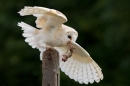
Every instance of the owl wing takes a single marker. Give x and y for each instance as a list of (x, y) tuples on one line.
[(33, 36), (46, 18), (80, 67)]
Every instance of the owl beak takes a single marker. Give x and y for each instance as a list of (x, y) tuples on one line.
[(70, 41)]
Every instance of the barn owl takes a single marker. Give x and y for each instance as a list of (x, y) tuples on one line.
[(52, 32)]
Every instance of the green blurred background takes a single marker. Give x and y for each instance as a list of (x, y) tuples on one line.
[(104, 31)]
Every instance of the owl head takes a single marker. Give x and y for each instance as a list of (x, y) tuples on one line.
[(70, 35)]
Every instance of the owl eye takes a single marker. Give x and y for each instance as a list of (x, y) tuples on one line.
[(69, 37)]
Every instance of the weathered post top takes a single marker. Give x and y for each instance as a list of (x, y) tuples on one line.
[(50, 68)]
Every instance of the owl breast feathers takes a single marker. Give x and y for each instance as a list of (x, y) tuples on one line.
[(52, 32)]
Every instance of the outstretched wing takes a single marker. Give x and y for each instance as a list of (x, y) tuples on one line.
[(80, 67), (46, 18), (33, 36)]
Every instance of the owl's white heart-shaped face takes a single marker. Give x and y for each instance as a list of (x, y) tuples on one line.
[(70, 35), (80, 66)]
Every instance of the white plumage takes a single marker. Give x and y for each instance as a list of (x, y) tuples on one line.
[(80, 66)]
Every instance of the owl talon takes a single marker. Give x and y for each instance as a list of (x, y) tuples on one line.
[(49, 47)]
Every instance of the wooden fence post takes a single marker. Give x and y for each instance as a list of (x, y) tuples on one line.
[(50, 68)]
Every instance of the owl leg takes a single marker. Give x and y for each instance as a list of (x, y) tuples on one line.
[(49, 47)]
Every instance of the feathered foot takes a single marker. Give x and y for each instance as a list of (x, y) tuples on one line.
[(49, 47)]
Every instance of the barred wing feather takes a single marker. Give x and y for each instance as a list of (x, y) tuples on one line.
[(80, 67)]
